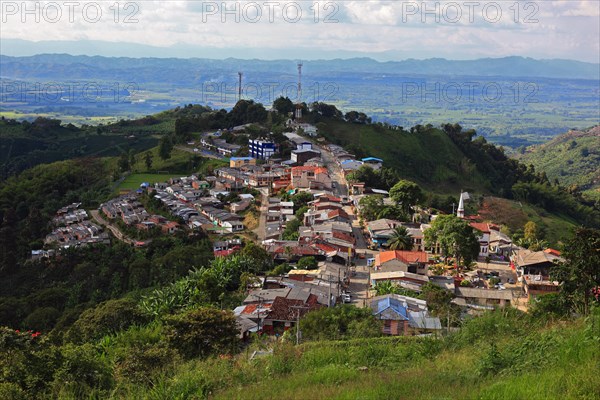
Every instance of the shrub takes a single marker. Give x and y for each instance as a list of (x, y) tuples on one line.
[(494, 281), (492, 362), (11, 391), (307, 263), (82, 371), (344, 321), (108, 317), (42, 319), (141, 363), (203, 331)]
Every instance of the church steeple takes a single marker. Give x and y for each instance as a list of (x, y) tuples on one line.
[(460, 212)]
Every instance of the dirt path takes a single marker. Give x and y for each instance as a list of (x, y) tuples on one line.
[(115, 230)]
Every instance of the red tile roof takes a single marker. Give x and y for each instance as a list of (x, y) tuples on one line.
[(251, 308), (328, 198), (481, 226), (554, 252), (343, 236), (298, 250), (338, 213), (407, 257), (299, 170), (282, 310), (325, 247)]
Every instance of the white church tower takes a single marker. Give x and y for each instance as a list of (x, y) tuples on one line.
[(460, 212)]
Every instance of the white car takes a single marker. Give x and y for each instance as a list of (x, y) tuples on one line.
[(346, 298)]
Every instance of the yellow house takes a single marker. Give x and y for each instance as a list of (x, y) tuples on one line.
[(237, 162)]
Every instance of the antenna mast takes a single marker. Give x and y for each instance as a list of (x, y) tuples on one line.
[(240, 86), (299, 103)]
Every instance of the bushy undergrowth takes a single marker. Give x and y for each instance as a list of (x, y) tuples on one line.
[(504, 354)]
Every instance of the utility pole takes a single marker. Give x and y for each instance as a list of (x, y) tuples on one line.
[(298, 321), (329, 295), (260, 301), (339, 282)]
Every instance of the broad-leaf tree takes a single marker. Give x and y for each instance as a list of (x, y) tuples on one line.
[(455, 237), (406, 194), (580, 273)]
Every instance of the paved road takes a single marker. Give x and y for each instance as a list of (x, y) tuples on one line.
[(262, 219), (359, 283), (113, 228), (335, 171), (202, 152)]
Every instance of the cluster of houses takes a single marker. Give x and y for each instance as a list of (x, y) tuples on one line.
[(196, 202), (409, 268), (212, 141), (277, 214), (131, 212), (72, 228), (348, 162), (326, 234), (280, 302)]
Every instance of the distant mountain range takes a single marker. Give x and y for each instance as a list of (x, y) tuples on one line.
[(64, 66)]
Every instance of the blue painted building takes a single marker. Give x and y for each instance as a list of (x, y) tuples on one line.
[(261, 149)]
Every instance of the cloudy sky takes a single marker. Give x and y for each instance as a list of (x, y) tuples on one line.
[(384, 30)]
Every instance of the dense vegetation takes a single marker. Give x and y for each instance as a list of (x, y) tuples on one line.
[(26, 144), (503, 354), (29, 200)]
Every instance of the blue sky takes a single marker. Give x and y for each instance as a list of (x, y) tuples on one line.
[(384, 30)]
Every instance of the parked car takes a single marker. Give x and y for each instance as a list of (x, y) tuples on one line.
[(511, 281), (346, 298)]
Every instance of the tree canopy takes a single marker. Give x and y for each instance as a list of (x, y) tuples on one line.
[(455, 237), (580, 273), (406, 194)]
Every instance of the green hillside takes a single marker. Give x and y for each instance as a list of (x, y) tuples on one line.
[(573, 158), (554, 227), (428, 157)]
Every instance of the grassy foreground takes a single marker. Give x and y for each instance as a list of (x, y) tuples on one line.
[(502, 355)]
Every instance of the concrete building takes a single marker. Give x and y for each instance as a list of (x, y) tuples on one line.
[(261, 149)]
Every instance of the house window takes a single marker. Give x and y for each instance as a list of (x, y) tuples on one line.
[(387, 327)]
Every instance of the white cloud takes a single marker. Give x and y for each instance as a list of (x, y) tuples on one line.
[(564, 29)]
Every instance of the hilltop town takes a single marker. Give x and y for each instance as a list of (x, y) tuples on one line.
[(333, 238)]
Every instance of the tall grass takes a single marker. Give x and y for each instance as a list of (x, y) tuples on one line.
[(502, 355)]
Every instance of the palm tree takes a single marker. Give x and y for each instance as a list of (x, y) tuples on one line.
[(400, 240)]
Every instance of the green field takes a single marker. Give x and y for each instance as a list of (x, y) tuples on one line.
[(134, 181)]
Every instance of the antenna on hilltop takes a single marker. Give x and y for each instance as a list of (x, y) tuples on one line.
[(299, 103), (240, 85)]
